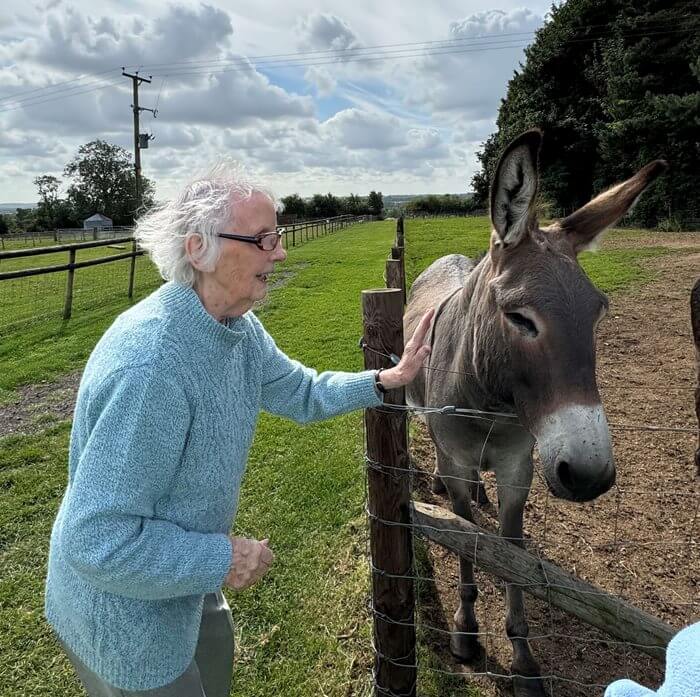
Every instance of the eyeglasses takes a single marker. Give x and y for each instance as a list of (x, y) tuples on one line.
[(267, 241)]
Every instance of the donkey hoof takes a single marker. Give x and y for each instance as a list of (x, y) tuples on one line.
[(528, 686), (465, 648), (438, 486)]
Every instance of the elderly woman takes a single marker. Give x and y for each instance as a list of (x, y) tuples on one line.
[(166, 412)]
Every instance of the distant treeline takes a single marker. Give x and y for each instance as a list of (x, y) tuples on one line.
[(447, 204), (328, 205)]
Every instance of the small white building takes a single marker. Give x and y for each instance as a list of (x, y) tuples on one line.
[(98, 221)]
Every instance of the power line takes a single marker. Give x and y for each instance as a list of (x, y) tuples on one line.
[(339, 55), (14, 96), (351, 49), (244, 64), (310, 59)]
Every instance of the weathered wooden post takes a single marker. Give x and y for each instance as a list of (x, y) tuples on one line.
[(399, 232), (389, 506), (397, 252), (68, 301), (695, 321), (394, 276), (132, 269)]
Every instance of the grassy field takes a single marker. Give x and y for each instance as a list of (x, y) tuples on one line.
[(305, 630)]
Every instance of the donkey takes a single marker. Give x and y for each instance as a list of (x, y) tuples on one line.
[(516, 333)]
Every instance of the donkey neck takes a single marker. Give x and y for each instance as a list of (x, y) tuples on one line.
[(468, 320)]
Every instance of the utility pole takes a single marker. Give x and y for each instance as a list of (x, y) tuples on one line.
[(139, 142), (136, 81)]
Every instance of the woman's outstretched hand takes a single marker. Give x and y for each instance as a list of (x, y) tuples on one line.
[(250, 561), (415, 354)]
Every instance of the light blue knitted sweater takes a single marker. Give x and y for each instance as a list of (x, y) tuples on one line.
[(165, 416)]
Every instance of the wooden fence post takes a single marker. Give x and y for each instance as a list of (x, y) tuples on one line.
[(542, 579), (394, 276), (132, 270), (397, 253), (695, 321), (389, 507), (399, 232), (68, 302)]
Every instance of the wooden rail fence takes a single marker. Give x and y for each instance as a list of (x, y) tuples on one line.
[(293, 234)]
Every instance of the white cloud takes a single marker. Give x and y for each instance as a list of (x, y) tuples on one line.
[(359, 130), (321, 79), (75, 41), (398, 125), (322, 31), (469, 83)]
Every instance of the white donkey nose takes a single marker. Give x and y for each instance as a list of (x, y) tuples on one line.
[(576, 453)]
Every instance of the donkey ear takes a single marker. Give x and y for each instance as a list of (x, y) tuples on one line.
[(514, 188), (584, 226)]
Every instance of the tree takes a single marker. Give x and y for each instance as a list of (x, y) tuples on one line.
[(104, 182), (608, 101), (375, 202), (294, 205), (353, 205), (322, 206), (4, 229), (47, 186), (24, 220)]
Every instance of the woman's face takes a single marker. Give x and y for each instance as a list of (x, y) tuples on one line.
[(241, 275)]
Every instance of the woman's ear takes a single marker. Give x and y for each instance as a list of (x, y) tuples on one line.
[(193, 249)]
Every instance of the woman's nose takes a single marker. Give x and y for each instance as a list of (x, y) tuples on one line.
[(279, 253)]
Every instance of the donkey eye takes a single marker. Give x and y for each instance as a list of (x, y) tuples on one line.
[(523, 324)]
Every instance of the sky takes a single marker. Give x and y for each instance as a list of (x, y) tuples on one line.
[(310, 97)]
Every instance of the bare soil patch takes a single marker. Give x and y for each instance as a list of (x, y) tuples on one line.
[(641, 540), (36, 407)]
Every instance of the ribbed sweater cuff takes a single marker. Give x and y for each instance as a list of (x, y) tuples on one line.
[(361, 391), (221, 560)]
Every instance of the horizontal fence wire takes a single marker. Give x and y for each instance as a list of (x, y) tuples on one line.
[(689, 542)]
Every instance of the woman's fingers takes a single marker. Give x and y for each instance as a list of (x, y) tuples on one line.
[(250, 562), (416, 341)]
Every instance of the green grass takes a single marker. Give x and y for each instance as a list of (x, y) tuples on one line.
[(304, 489), (305, 630), (610, 269)]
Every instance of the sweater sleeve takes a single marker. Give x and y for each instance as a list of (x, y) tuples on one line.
[(292, 390), (138, 426)]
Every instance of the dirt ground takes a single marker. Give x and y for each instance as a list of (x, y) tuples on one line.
[(641, 541)]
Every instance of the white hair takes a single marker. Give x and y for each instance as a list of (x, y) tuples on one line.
[(205, 207)]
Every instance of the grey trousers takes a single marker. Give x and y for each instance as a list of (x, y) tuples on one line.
[(209, 674)]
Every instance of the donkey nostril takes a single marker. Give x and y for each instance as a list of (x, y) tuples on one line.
[(565, 475)]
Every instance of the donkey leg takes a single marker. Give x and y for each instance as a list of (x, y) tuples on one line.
[(479, 495), (464, 643), (438, 486), (524, 668)]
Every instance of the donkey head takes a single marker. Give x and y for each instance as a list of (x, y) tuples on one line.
[(547, 311)]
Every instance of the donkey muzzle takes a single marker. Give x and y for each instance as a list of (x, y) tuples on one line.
[(576, 453)]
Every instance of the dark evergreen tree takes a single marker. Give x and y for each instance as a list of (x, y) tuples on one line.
[(613, 84)]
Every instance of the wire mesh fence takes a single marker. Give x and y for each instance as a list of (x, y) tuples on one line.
[(639, 545), (33, 301)]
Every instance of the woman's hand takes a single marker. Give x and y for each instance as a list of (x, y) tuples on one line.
[(415, 353), (249, 562)]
